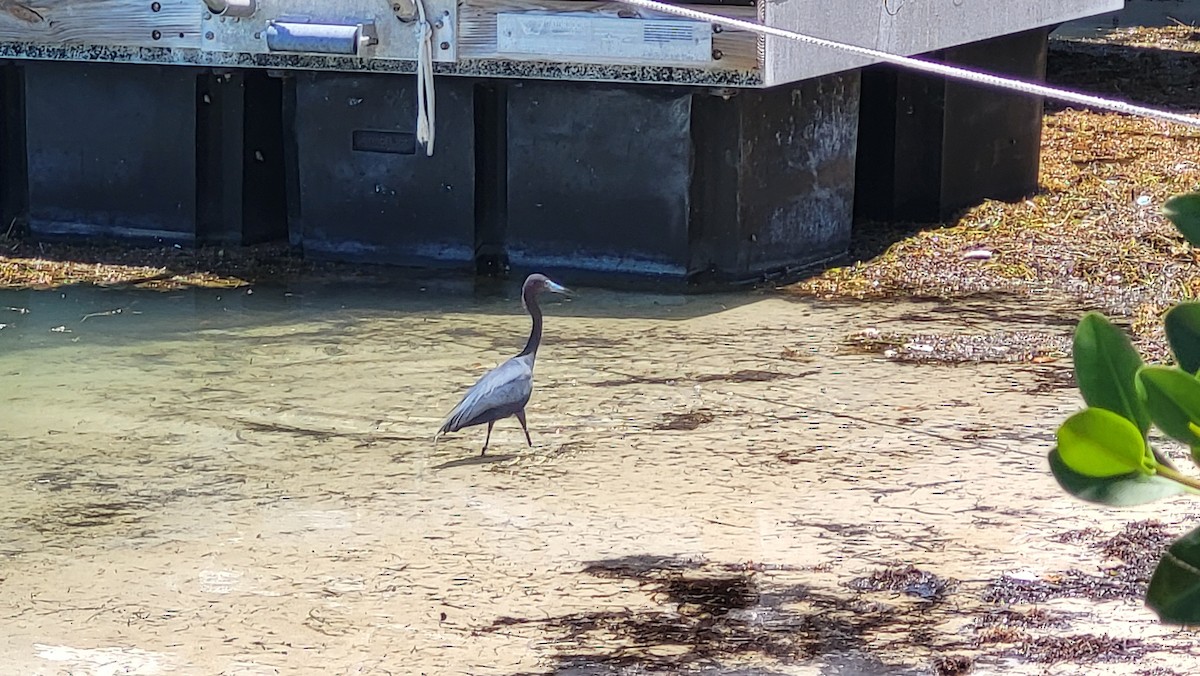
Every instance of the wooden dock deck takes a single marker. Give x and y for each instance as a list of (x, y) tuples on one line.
[(557, 39)]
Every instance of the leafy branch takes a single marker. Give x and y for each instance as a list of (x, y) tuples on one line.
[(1104, 454)]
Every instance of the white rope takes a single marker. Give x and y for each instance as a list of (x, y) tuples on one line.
[(425, 93), (925, 66)]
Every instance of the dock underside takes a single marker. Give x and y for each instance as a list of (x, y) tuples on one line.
[(728, 169)]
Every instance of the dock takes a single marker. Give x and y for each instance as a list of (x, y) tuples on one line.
[(580, 138)]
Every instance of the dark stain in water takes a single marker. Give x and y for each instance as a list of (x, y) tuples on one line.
[(742, 376), (750, 376), (638, 380), (685, 421), (1050, 378), (90, 515), (63, 480), (592, 342)]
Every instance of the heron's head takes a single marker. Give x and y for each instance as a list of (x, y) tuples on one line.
[(537, 283)]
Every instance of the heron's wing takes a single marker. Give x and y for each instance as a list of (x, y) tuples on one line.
[(506, 386)]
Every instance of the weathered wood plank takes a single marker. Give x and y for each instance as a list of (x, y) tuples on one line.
[(118, 23), (477, 29), (124, 24)]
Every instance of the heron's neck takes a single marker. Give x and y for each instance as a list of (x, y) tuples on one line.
[(535, 332)]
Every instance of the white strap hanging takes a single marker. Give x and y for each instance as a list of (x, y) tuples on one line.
[(425, 92)]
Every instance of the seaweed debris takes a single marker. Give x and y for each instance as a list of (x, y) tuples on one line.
[(1136, 549), (1035, 347), (1094, 232), (908, 579), (1082, 648)]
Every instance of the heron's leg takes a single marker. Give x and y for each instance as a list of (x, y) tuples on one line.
[(488, 438), (521, 417)]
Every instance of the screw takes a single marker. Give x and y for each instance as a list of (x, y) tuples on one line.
[(209, 35), (445, 46), (718, 28), (717, 55), (156, 35), (154, 7)]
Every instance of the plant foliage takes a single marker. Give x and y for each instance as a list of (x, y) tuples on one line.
[(1103, 453)]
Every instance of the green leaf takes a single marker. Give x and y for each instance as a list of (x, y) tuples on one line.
[(1174, 592), (1122, 491), (1182, 323), (1173, 400), (1099, 443), (1184, 212), (1106, 367)]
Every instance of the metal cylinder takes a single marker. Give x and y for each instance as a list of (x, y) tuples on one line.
[(313, 38), (236, 8)]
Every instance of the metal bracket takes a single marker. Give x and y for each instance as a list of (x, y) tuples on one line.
[(445, 42), (366, 29), (405, 10)]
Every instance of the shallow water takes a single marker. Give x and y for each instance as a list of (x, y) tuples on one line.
[(234, 482)]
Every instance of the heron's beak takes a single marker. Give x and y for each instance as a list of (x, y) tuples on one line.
[(558, 288)]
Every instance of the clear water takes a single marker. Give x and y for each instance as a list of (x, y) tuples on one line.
[(235, 482)]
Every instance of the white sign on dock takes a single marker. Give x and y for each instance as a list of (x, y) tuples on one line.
[(603, 38)]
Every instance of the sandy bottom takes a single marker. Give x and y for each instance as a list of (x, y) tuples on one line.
[(248, 485)]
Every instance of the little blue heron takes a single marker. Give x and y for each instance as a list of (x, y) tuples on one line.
[(504, 391)]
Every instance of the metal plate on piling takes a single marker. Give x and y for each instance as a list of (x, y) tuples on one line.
[(603, 38), (376, 29)]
